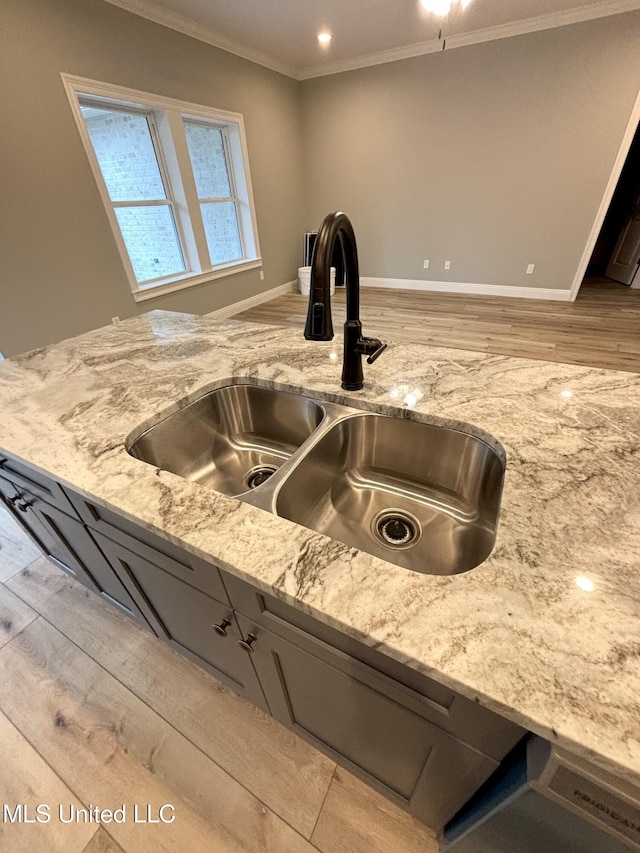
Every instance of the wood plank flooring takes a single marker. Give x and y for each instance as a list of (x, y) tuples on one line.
[(94, 710), (600, 329), (16, 550)]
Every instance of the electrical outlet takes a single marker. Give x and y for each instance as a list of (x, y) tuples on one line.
[(530, 269), (425, 265), (447, 265), (115, 320)]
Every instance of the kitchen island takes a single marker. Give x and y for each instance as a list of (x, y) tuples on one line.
[(545, 632)]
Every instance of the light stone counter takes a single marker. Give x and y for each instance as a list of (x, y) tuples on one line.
[(517, 633)]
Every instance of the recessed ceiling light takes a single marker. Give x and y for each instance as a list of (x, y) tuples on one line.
[(442, 7), (324, 38)]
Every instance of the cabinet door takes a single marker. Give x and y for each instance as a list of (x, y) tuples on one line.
[(66, 542), (52, 531), (460, 717), (340, 705), (199, 626)]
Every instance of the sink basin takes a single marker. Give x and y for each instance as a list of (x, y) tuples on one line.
[(424, 497), (231, 439)]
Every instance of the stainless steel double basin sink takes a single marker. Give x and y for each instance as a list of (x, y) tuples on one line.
[(421, 496)]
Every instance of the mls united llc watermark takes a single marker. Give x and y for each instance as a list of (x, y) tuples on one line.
[(69, 813)]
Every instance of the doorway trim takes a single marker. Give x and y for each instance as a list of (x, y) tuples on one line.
[(625, 145)]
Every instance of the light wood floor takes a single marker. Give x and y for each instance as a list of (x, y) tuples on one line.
[(96, 711), (600, 329)]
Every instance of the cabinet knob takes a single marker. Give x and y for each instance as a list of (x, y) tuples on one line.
[(221, 629), (247, 644)]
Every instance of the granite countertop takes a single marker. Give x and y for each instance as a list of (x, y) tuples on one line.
[(518, 633)]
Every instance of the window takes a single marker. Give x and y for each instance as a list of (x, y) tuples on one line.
[(175, 182), (218, 205)]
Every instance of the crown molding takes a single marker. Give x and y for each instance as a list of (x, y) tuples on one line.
[(175, 21), (180, 23), (531, 25)]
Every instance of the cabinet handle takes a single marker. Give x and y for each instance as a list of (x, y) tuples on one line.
[(14, 500), (23, 507), (221, 629), (3, 462), (248, 643)]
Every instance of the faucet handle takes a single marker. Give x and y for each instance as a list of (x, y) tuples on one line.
[(373, 348), (376, 353)]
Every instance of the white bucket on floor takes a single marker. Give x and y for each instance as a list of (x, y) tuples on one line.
[(304, 280)]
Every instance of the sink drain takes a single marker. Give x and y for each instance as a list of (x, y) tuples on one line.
[(396, 528), (259, 475)]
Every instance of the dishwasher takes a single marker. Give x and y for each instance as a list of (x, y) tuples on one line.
[(545, 800)]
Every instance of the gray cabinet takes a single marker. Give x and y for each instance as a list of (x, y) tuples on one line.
[(462, 718), (23, 477), (143, 541), (52, 525), (423, 745), (55, 533), (200, 626), (363, 721)]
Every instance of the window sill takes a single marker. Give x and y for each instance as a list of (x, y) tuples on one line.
[(152, 291)]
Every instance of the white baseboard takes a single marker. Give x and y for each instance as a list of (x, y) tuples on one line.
[(252, 301), (464, 287), (403, 284)]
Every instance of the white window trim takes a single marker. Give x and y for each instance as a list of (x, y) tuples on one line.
[(170, 111)]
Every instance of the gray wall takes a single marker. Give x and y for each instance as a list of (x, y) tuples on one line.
[(493, 156), (60, 270)]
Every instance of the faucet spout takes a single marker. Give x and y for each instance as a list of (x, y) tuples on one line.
[(319, 325)]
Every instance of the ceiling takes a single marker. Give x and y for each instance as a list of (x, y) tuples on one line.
[(281, 34)]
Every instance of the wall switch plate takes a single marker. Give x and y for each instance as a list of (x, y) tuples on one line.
[(530, 269), (261, 275), (425, 265), (447, 265)]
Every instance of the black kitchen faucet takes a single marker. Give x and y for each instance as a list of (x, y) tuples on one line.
[(319, 327)]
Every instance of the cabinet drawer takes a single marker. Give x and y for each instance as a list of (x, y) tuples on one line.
[(174, 559), (38, 484), (187, 618), (339, 704), (464, 719)]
